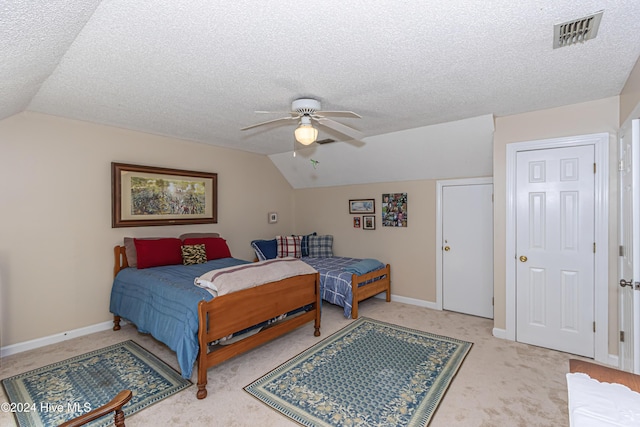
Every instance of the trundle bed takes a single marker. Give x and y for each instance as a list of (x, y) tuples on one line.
[(189, 319)]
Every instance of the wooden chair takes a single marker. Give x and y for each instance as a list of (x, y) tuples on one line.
[(115, 404)]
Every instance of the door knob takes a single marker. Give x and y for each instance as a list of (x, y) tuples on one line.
[(624, 283), (447, 248), (523, 258)]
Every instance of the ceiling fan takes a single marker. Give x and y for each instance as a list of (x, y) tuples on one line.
[(307, 110)]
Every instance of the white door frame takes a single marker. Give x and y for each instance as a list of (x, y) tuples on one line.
[(439, 185), (600, 141)]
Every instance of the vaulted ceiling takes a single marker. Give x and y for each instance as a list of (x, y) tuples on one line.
[(199, 69)]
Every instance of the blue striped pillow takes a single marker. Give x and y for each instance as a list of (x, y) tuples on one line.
[(304, 245), (321, 246)]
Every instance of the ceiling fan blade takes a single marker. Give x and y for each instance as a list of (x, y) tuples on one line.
[(339, 127), (281, 119), (348, 114), (275, 112)]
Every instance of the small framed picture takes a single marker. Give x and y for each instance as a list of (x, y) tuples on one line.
[(362, 206), (356, 222), (273, 217), (369, 222)]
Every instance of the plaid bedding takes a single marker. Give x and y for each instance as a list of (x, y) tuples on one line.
[(335, 282)]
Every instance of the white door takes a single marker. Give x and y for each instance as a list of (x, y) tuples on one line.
[(555, 228), (629, 239), (467, 249)]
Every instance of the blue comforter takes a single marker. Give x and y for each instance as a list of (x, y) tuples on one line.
[(163, 301), (335, 279)]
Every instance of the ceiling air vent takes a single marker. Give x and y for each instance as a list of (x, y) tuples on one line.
[(576, 31), (325, 141)]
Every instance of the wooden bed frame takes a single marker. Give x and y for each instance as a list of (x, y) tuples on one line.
[(370, 289), (221, 316)]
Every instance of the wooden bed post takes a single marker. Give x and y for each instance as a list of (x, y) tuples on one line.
[(116, 323), (201, 361), (316, 326), (202, 379), (367, 291)]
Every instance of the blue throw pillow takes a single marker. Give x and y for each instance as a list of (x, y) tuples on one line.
[(305, 243), (321, 246), (364, 266), (265, 249)]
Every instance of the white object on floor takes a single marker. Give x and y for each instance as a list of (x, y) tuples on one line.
[(596, 404)]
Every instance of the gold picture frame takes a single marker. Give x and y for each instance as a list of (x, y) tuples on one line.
[(149, 196)]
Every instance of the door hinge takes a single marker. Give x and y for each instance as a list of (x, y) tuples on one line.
[(594, 168), (493, 301), (594, 247), (621, 165), (621, 336), (620, 250), (594, 326)]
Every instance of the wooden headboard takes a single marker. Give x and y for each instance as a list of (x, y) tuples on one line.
[(120, 259)]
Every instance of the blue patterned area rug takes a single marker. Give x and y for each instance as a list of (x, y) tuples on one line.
[(50, 395), (370, 373)]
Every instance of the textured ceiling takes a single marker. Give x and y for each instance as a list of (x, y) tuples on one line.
[(199, 69)]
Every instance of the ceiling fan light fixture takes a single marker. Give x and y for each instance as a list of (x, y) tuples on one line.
[(306, 134)]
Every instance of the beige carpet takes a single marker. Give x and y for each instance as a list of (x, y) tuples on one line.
[(501, 383)]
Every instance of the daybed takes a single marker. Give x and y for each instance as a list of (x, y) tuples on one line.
[(164, 301), (602, 396), (343, 281)]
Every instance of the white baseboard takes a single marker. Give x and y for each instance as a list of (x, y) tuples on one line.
[(500, 333), (612, 359), (410, 301), (56, 338)]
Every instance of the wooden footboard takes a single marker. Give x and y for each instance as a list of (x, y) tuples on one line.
[(363, 292), (221, 317)]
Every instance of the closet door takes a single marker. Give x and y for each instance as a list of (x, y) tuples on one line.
[(467, 249)]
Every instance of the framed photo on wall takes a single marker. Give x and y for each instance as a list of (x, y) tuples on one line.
[(356, 222), (145, 196), (369, 222), (362, 206)]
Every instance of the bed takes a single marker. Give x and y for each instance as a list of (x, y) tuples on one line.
[(340, 286), (344, 281), (164, 302), (602, 396)]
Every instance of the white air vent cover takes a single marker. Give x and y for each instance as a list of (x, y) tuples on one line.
[(576, 31)]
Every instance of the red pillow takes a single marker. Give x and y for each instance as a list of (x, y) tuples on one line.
[(152, 253), (216, 247)]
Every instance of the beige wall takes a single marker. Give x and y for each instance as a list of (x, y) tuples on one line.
[(410, 250), (578, 119), (630, 95), (56, 238)]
